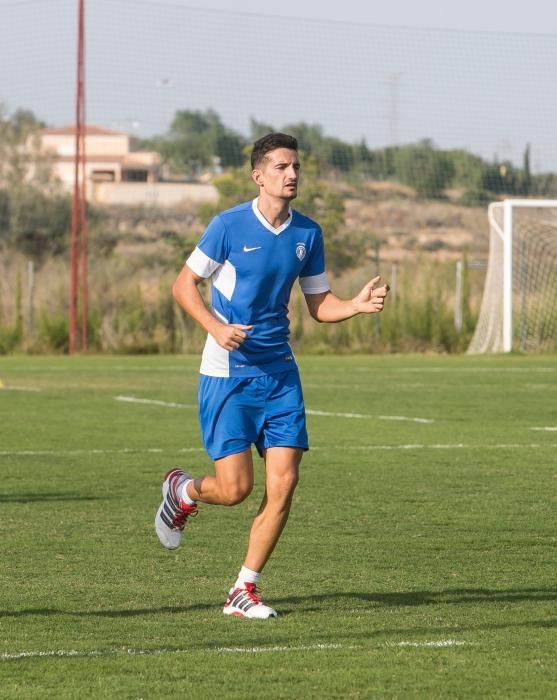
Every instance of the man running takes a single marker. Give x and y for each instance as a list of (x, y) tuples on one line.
[(250, 391)]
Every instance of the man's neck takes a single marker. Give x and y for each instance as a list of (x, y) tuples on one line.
[(276, 211)]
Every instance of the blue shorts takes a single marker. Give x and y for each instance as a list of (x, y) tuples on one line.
[(265, 411)]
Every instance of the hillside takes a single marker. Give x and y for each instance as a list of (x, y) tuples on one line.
[(403, 224), (406, 225)]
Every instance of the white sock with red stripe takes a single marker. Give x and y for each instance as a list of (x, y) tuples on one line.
[(247, 576), (184, 496)]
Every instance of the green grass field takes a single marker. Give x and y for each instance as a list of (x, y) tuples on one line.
[(419, 560)]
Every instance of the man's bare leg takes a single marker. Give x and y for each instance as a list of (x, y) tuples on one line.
[(282, 471), (231, 484), (281, 467)]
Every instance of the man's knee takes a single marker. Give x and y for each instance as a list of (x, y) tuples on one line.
[(291, 481), (284, 485), (234, 493)]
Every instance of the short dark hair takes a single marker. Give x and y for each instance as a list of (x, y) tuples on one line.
[(268, 143)]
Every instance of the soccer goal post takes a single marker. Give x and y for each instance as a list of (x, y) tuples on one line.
[(519, 305)]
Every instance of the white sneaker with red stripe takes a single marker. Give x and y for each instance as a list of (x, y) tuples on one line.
[(173, 513), (246, 602)]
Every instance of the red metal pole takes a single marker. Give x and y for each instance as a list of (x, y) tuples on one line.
[(78, 234), (74, 254), (83, 199)]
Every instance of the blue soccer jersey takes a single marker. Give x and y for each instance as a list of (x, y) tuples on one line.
[(253, 267)]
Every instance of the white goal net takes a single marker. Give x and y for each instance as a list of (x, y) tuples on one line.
[(519, 306)]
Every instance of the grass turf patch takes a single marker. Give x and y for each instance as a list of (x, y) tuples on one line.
[(418, 561)]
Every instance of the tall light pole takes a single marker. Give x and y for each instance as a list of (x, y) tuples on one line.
[(78, 246)]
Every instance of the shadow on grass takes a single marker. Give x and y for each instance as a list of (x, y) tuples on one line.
[(451, 596), (335, 603), (132, 612), (45, 497)]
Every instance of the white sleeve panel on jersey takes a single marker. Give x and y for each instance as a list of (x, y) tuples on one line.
[(315, 284), (201, 264), (225, 279)]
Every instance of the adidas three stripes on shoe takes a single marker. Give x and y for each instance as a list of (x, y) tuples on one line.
[(173, 513), (245, 601)]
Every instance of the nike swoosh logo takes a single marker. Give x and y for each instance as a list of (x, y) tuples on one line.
[(248, 250)]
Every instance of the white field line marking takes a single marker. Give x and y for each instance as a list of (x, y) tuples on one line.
[(371, 388), (414, 420), (72, 653), (259, 650), (451, 370), (39, 453), (133, 399), (95, 653), (457, 446), (309, 411), (328, 448), (315, 412), (33, 389), (365, 448), (130, 369), (153, 402), (437, 644), (123, 451), (547, 429)]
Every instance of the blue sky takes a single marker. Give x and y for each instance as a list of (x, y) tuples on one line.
[(476, 75)]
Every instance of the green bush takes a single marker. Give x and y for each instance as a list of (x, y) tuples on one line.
[(53, 331), (34, 223), (475, 198), (424, 168), (10, 338)]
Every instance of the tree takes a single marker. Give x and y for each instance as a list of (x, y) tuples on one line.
[(4, 212), (22, 160), (233, 187), (310, 139), (34, 215), (501, 178), (259, 129), (467, 168), (195, 140), (424, 168), (230, 149), (339, 155), (526, 172), (38, 224)]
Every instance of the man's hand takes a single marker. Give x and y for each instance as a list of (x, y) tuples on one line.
[(230, 335), (372, 298)]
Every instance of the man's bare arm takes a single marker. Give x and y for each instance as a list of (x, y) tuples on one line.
[(186, 292), (328, 308)]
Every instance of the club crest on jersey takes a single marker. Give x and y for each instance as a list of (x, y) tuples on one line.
[(300, 251)]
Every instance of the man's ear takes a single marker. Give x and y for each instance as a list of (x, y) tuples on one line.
[(257, 177)]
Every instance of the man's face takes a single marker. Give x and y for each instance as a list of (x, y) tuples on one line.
[(278, 174)]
